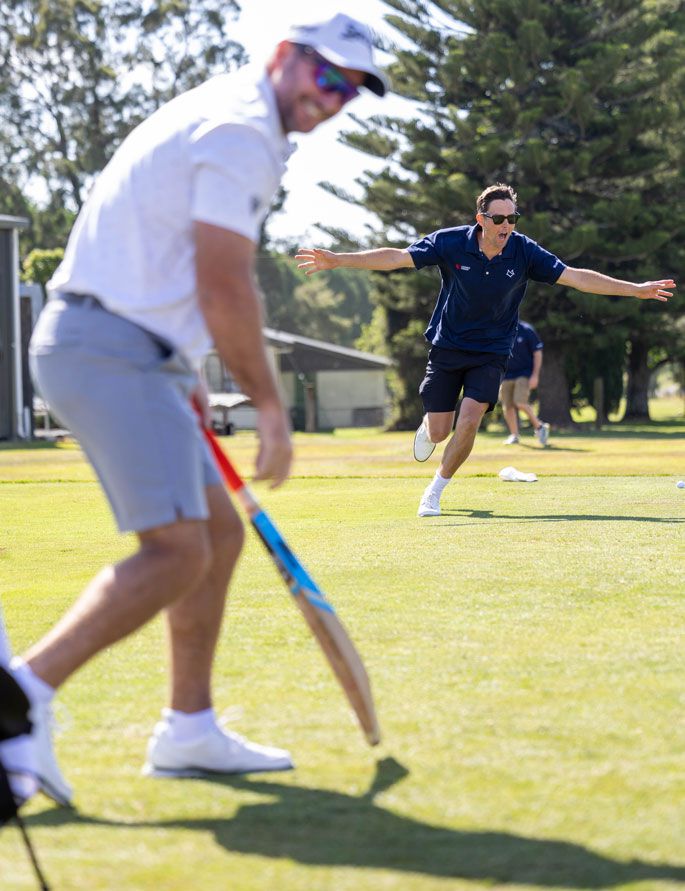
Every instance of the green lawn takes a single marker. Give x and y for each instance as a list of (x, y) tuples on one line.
[(526, 652)]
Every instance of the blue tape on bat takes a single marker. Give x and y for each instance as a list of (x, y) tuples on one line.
[(299, 580)]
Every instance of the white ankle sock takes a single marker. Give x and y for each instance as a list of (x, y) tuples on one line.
[(189, 725), (35, 688), (438, 483)]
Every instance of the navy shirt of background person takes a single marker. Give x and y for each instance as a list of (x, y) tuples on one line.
[(479, 299), (526, 343)]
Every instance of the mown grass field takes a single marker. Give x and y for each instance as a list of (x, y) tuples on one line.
[(526, 651)]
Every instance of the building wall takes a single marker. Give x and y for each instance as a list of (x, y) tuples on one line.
[(350, 398), (343, 398)]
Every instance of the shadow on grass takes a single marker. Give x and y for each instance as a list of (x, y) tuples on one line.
[(550, 447), (319, 827), (464, 513)]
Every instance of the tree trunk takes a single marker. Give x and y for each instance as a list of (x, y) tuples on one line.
[(637, 392), (553, 391)]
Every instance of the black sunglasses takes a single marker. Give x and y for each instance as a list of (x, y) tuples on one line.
[(499, 218)]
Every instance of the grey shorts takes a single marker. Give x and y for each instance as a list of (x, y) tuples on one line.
[(125, 395)]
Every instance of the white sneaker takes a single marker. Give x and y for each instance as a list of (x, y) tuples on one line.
[(423, 447), (542, 433), (218, 751), (429, 506), (52, 783), (512, 439), (19, 760)]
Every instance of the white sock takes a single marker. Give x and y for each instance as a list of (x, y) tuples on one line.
[(189, 725), (35, 688), (438, 483)]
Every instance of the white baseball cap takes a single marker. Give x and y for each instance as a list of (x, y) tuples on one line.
[(345, 42)]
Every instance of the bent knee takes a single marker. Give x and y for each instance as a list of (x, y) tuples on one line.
[(226, 529), (438, 433), (184, 546)]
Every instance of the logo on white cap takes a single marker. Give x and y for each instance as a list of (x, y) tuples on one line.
[(344, 42)]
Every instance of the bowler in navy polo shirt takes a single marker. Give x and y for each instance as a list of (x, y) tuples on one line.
[(485, 269)]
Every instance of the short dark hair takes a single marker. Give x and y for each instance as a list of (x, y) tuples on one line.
[(500, 191)]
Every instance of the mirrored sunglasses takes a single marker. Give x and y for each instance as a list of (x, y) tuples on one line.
[(328, 78)]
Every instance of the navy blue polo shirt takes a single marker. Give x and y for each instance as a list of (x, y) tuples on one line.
[(526, 343), (478, 304)]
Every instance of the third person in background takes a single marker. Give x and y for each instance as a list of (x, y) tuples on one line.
[(521, 377)]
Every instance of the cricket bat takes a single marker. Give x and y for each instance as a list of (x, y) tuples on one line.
[(317, 610)]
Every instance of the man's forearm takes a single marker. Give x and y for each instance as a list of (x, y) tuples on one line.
[(235, 322), (591, 282), (380, 259)]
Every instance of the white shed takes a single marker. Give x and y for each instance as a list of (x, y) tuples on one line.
[(324, 385)]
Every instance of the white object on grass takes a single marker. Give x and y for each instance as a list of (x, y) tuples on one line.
[(681, 484), (512, 475)]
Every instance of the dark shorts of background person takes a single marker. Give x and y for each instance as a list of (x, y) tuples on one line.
[(449, 372)]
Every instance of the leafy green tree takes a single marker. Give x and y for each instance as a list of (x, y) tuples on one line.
[(331, 307), (39, 265), (78, 75), (579, 106)]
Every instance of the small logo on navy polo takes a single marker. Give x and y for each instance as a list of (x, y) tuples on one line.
[(352, 32), (462, 268), (510, 273)]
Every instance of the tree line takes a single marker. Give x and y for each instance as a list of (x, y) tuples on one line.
[(578, 105)]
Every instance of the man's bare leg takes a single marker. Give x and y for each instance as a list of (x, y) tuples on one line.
[(118, 601), (122, 598), (188, 739), (511, 419), (460, 445), (194, 620), (530, 414), (456, 451)]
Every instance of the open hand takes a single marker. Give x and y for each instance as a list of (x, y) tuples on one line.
[(315, 260), (660, 290)]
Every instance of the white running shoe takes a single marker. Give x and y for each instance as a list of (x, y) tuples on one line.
[(423, 447), (512, 439), (19, 760), (218, 751), (542, 433), (52, 783), (429, 506)]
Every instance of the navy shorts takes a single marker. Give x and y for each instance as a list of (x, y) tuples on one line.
[(449, 372)]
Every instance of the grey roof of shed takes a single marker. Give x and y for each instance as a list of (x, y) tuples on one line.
[(303, 354)]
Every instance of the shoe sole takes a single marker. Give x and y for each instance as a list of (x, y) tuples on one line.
[(428, 513), (416, 457), (421, 460)]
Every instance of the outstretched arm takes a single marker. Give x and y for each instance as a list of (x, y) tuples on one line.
[(596, 283), (383, 259)]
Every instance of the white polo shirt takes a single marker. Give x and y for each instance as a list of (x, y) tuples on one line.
[(215, 154)]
